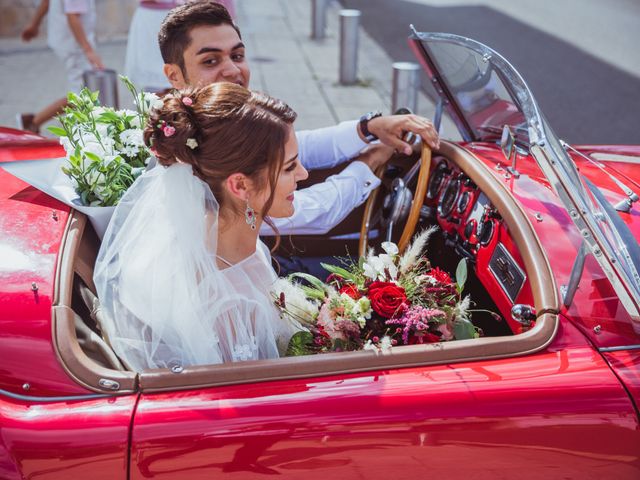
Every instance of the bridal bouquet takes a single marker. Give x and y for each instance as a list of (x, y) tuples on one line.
[(384, 300), (104, 147)]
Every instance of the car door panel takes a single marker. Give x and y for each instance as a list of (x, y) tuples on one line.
[(559, 412), (61, 439)]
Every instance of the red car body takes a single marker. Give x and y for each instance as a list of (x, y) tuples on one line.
[(568, 409)]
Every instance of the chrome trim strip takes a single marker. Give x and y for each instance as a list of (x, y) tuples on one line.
[(27, 398), (618, 349)]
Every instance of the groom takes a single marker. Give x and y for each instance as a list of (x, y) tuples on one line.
[(200, 45)]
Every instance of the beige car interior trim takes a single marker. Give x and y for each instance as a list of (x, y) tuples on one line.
[(536, 265), (77, 256)]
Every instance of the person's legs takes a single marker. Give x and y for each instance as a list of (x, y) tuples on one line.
[(46, 114)]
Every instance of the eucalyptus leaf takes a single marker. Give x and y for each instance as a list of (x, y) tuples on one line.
[(461, 274), (463, 329)]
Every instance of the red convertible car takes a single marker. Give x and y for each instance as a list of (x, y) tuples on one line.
[(551, 390)]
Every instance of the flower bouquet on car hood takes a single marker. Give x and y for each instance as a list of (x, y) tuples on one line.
[(384, 300), (105, 153)]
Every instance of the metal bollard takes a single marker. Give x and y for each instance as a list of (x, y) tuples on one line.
[(318, 19), (406, 82), (106, 81), (349, 26)]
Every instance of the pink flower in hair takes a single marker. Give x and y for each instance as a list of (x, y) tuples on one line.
[(168, 130), (187, 101)]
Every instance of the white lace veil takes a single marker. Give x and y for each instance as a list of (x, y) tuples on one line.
[(165, 302)]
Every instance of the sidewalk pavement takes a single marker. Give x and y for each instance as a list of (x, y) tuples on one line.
[(284, 62)]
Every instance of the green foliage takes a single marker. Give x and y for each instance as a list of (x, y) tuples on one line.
[(463, 329), (300, 344), (461, 274), (104, 147), (342, 272)]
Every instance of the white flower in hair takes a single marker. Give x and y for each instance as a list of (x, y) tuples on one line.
[(192, 143)]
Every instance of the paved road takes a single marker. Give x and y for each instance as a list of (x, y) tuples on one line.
[(587, 96)]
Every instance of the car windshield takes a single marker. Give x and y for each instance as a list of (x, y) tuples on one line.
[(484, 101), (483, 93)]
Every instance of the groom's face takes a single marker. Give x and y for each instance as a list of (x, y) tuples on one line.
[(215, 54)]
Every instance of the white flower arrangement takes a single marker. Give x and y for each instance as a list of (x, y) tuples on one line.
[(104, 147)]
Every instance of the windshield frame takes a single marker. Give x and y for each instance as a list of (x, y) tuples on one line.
[(560, 170)]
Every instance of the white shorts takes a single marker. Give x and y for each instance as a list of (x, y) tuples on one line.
[(75, 63)]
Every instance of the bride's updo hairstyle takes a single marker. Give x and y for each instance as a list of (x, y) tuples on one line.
[(222, 129)]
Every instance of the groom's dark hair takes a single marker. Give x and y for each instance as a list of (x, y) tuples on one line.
[(175, 32)]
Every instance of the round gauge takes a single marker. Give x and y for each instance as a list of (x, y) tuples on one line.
[(469, 229), (485, 232), (463, 201), (449, 197), (437, 178)]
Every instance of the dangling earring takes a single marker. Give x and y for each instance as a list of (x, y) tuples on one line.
[(250, 216)]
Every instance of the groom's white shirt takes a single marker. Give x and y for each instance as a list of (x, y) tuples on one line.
[(322, 206)]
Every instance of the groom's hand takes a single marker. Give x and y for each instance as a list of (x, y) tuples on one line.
[(391, 130)]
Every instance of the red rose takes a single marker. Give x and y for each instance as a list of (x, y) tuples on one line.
[(351, 290), (386, 298), (423, 337), (439, 275)]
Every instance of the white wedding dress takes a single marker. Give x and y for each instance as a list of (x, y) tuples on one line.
[(165, 301)]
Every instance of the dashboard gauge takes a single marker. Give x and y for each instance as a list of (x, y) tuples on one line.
[(449, 197), (437, 179), (485, 232), (463, 201), (470, 229)]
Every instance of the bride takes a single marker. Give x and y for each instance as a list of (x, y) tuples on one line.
[(182, 276)]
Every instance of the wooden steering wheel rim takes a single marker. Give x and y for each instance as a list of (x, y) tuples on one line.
[(414, 212)]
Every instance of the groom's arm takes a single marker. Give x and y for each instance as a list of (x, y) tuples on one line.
[(329, 146), (324, 205)]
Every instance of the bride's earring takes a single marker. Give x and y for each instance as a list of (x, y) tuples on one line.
[(250, 216)]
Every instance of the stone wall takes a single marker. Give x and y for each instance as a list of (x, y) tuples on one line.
[(114, 17)]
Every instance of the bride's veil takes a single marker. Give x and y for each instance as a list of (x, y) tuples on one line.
[(165, 302)]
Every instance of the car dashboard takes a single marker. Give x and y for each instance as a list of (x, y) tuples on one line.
[(473, 227)]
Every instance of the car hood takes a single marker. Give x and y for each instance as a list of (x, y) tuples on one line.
[(483, 93)]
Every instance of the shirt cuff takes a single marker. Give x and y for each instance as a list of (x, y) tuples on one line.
[(348, 140), (367, 180)]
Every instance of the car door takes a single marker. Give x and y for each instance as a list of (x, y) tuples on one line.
[(558, 413)]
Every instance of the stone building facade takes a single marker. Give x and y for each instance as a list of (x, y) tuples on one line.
[(114, 17)]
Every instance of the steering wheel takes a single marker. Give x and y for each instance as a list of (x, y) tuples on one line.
[(398, 203)]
